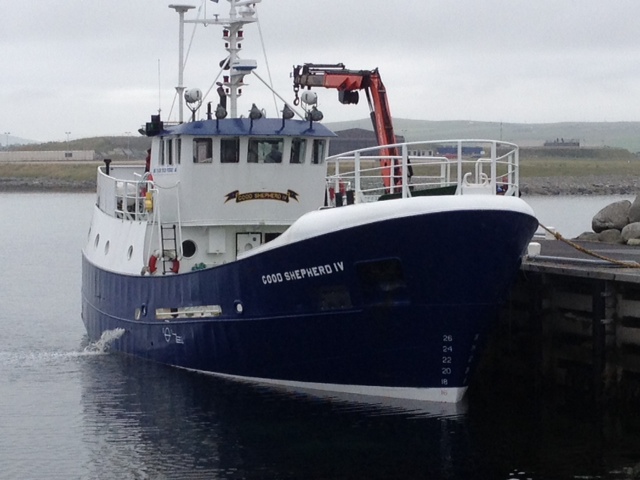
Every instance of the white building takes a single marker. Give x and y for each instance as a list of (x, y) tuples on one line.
[(48, 156)]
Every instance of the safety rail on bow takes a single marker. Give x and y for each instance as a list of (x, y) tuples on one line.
[(122, 193), (443, 167)]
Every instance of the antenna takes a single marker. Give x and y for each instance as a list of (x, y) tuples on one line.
[(241, 13), (159, 90)]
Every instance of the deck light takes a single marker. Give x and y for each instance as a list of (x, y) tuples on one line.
[(221, 112), (287, 113), (315, 115), (255, 113)]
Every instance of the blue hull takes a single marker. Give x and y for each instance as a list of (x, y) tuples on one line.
[(394, 304)]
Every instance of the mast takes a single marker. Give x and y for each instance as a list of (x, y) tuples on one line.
[(181, 9), (241, 12)]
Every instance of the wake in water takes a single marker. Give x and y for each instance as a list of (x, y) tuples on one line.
[(103, 344), (29, 358)]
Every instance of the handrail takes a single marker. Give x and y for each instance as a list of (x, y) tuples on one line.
[(122, 193), (425, 168)]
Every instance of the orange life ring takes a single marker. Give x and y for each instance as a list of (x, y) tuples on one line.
[(153, 265), (153, 260), (175, 266)]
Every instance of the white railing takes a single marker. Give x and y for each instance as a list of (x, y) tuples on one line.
[(122, 193), (424, 168)]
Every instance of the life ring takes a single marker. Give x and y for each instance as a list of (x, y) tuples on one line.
[(153, 265), (175, 265)]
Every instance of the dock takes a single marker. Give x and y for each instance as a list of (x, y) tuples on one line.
[(573, 319)]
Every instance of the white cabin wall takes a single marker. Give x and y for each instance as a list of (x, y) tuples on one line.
[(217, 245), (208, 188), (115, 244)]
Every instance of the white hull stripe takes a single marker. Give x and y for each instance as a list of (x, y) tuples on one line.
[(441, 395)]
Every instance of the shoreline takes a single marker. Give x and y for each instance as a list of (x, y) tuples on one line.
[(539, 186), (43, 185), (584, 185)]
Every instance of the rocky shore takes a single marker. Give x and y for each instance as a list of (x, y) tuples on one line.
[(618, 222), (585, 185)]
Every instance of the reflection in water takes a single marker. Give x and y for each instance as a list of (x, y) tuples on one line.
[(143, 420), (148, 420), (539, 433)]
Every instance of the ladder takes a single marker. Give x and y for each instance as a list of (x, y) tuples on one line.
[(169, 244)]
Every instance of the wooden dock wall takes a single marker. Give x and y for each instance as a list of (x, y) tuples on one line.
[(576, 326)]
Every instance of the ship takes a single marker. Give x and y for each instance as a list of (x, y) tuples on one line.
[(240, 249)]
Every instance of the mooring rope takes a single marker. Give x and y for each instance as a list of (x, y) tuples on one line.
[(580, 248)]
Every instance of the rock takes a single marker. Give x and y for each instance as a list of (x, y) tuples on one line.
[(631, 232), (588, 237), (615, 216), (634, 242), (610, 236), (634, 211)]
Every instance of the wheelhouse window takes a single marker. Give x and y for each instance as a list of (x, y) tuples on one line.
[(298, 150), (265, 150), (318, 151), (202, 150), (161, 152), (230, 150), (168, 152), (178, 156)]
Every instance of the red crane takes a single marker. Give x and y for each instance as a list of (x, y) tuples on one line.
[(348, 83)]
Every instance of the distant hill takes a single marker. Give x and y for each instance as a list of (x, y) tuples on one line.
[(590, 134), (624, 135), (8, 139)]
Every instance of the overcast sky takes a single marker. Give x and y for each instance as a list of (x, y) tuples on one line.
[(102, 67)]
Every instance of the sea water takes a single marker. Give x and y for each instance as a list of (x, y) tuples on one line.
[(571, 215), (71, 410)]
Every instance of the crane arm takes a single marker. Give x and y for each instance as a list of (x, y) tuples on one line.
[(348, 83)]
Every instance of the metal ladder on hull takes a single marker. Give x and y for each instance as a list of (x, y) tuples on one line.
[(167, 248), (169, 245)]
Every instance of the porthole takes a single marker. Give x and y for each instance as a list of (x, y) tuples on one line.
[(130, 252), (188, 248), (106, 247), (97, 242)]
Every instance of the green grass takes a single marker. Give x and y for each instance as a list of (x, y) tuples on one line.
[(533, 163), (78, 173), (540, 162), (577, 167)]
